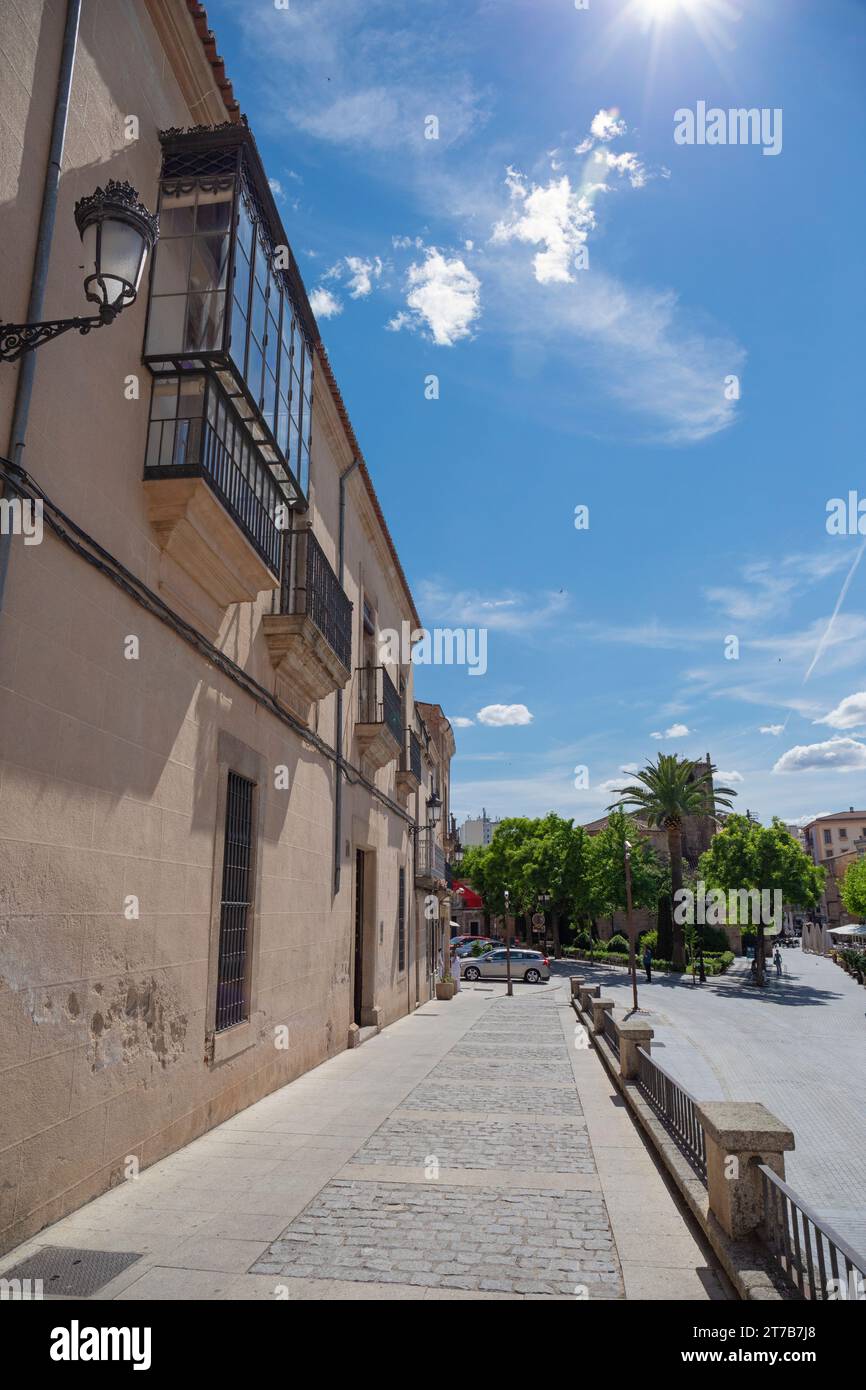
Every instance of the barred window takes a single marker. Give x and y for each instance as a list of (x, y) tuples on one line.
[(232, 1003)]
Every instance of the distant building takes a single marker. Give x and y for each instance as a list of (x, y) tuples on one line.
[(835, 841), (478, 830)]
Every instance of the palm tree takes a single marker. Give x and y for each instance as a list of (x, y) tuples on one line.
[(671, 789)]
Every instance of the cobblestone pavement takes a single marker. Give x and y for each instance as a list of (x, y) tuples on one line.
[(799, 1047), (436, 1233), (469, 1151)]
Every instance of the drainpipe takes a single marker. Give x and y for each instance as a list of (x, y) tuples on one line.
[(338, 740), (45, 236)]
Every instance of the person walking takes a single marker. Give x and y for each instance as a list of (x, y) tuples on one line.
[(455, 969), (648, 963), (777, 961)]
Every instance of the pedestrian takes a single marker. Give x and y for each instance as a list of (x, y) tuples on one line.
[(648, 963), (777, 961), (455, 969)]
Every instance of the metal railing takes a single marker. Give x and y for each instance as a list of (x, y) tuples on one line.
[(379, 701), (410, 760), (675, 1107), (611, 1032), (430, 862), (310, 586), (194, 448), (817, 1261)]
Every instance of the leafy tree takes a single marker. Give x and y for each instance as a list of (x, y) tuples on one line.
[(607, 867), (852, 889), (665, 793), (763, 858)]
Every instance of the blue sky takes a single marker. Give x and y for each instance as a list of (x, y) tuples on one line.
[(563, 383)]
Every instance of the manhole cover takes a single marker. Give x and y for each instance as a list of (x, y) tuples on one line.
[(73, 1273)]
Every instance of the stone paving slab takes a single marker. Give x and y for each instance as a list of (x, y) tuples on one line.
[(469, 1095), (479, 1144), (529, 1241)]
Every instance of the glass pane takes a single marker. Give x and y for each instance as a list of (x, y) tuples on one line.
[(259, 313), (171, 267), (304, 472), (176, 213), (245, 228), (180, 442), (204, 323), (163, 400), (254, 371), (214, 210), (270, 403), (273, 343), (210, 258), (166, 324), (242, 277), (191, 400), (296, 401), (308, 373), (282, 431), (154, 439), (166, 451), (294, 440), (238, 336)]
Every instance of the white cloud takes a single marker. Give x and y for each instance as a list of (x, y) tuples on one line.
[(276, 188), (848, 714), (361, 274), (606, 125), (675, 731), (725, 779), (461, 722), (613, 784), (500, 715), (324, 304), (629, 767), (774, 729), (834, 755), (626, 163), (444, 299), (510, 612), (557, 218)]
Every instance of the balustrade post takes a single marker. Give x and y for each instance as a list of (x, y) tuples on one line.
[(633, 1033), (599, 1008), (739, 1136)]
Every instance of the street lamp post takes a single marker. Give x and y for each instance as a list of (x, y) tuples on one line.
[(117, 232), (509, 989), (632, 953)]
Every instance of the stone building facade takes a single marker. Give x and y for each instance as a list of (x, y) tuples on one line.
[(213, 822)]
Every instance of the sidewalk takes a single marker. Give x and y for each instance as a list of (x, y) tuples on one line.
[(469, 1151)]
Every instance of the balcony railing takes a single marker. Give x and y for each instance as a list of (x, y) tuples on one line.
[(411, 759), (310, 586), (217, 447), (379, 701), (431, 858)]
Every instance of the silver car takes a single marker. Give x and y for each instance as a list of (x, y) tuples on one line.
[(530, 966)]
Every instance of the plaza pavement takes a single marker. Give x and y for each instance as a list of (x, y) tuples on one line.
[(469, 1151), (799, 1046)]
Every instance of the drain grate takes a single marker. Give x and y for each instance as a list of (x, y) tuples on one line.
[(73, 1273)]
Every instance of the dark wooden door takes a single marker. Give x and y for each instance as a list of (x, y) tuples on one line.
[(359, 933)]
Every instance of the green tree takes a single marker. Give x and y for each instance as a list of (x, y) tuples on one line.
[(665, 793), (607, 867), (746, 856), (852, 889)]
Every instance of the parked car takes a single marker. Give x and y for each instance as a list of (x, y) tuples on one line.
[(530, 966), (462, 940), (469, 946)]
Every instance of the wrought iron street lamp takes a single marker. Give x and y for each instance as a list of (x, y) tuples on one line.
[(117, 233), (509, 989), (434, 809)]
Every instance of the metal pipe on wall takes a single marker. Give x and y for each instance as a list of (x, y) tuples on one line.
[(338, 733), (42, 254)]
